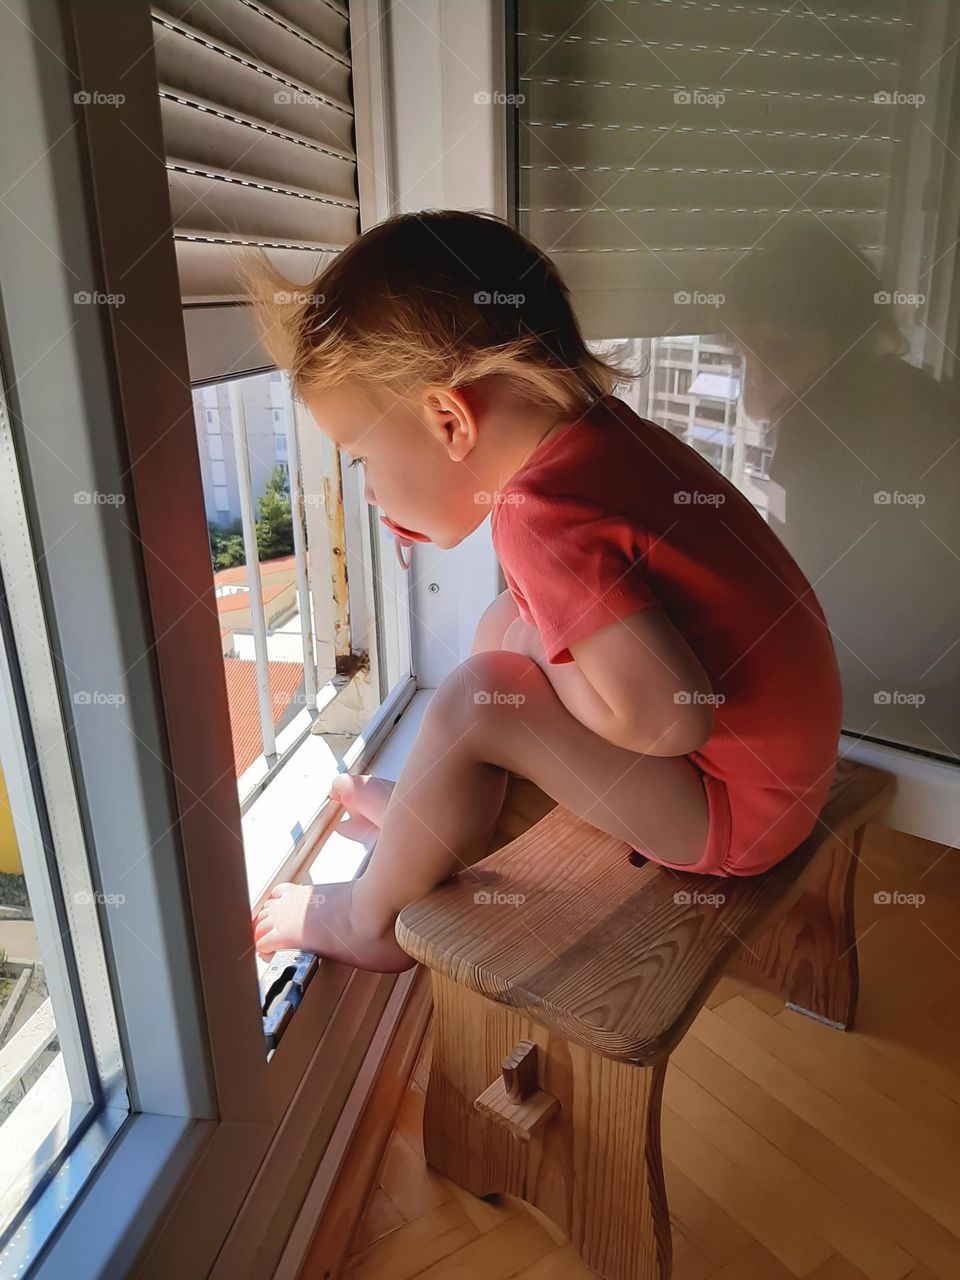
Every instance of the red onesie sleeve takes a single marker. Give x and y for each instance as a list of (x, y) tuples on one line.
[(571, 566)]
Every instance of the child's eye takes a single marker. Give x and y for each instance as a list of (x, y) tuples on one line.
[(354, 461)]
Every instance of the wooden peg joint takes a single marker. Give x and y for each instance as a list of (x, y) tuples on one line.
[(514, 1100)]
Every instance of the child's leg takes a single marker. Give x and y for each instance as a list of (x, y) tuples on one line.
[(444, 808)]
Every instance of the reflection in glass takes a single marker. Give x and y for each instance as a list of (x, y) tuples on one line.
[(764, 217)]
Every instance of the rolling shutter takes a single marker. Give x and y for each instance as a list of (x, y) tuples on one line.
[(642, 184), (258, 134)]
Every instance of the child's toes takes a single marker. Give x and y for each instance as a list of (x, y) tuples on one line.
[(265, 940)]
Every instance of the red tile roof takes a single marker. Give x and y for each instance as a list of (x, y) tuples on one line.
[(241, 599), (238, 573), (285, 679)]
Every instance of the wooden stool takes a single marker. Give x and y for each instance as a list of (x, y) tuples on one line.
[(563, 977)]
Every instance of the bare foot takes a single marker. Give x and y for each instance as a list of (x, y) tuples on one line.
[(322, 919), (363, 796)]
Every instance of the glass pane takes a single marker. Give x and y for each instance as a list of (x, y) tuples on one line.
[(764, 220), (33, 1087), (298, 640), (59, 1050)]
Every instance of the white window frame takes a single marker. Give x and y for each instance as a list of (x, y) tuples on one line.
[(450, 152)]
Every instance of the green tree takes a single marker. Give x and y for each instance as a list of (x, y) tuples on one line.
[(274, 520), (226, 545)]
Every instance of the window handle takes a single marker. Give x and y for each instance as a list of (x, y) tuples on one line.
[(284, 981)]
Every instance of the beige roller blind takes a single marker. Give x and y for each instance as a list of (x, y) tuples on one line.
[(643, 181), (258, 134)]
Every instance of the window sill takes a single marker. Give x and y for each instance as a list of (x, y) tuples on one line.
[(285, 826), (45, 1124), (333, 857), (338, 857), (111, 1225)]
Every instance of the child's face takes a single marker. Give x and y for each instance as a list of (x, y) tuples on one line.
[(422, 466)]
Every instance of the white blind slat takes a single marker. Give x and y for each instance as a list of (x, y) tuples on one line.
[(199, 132), (660, 139), (267, 93), (256, 104)]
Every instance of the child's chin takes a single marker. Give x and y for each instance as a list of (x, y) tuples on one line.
[(444, 541)]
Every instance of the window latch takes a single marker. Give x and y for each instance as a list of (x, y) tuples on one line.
[(284, 981)]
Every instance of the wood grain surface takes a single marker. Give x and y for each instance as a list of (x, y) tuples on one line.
[(560, 925)]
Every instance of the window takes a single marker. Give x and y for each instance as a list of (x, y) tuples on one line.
[(763, 219), (317, 642), (62, 1074), (303, 666)]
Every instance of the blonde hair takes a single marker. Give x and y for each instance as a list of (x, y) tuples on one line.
[(441, 297)]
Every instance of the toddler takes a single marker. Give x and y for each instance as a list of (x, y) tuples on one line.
[(659, 664)]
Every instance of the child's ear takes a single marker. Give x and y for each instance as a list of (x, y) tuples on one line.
[(450, 416)]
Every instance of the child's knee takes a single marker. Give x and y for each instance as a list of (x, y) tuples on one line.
[(491, 679), (483, 688)]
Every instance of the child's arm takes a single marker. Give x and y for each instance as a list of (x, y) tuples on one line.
[(636, 683)]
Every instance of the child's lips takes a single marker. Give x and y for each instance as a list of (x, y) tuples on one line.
[(408, 535)]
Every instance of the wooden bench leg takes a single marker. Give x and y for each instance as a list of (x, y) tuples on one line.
[(594, 1167), (810, 953)]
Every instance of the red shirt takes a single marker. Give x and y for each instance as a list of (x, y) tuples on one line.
[(613, 514)]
